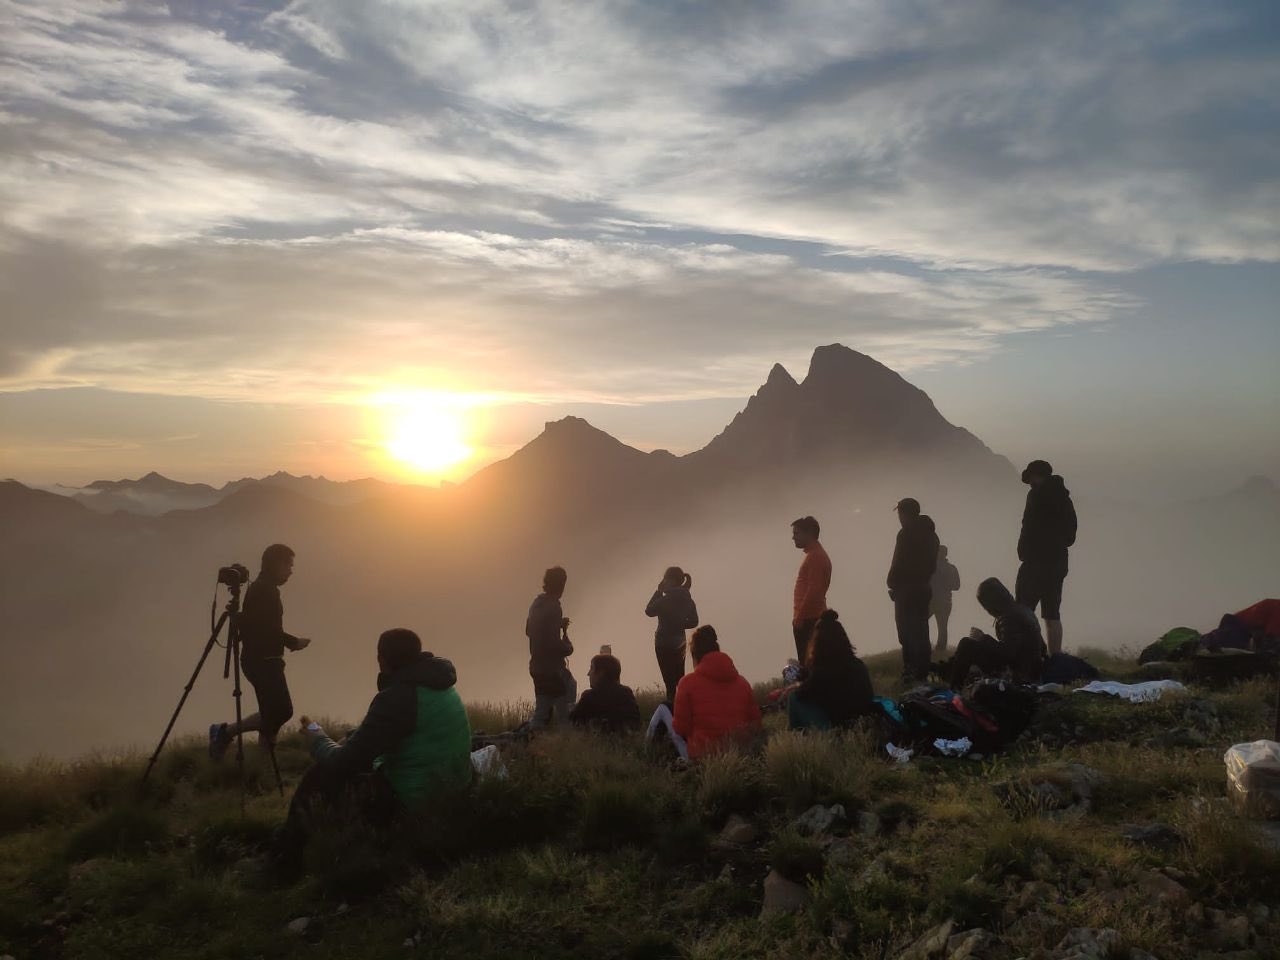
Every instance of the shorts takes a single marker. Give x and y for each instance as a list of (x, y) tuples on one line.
[(1040, 584), (275, 706)]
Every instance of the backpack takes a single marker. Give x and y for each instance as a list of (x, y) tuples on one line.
[(928, 719), (1011, 705)]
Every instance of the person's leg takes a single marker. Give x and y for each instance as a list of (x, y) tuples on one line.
[(962, 662), (542, 706), (274, 703), (671, 664), (902, 621), (1026, 589), (921, 651), (564, 703), (1051, 610), (942, 614), (663, 721), (801, 632)]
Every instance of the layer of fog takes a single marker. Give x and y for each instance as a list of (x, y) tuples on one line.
[(104, 631)]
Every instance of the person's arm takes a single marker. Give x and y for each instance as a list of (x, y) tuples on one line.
[(691, 615), (391, 717), (953, 577), (682, 716), (584, 711), (654, 607), (1069, 522), (815, 583), (751, 708)]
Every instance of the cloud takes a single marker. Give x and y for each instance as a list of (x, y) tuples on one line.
[(603, 201)]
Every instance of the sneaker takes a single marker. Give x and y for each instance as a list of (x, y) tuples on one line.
[(219, 741)]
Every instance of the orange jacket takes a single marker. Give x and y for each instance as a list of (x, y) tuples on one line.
[(810, 598), (714, 704)]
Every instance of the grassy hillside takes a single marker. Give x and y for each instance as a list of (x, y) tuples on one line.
[(591, 848)]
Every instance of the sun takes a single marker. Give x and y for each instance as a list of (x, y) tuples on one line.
[(427, 433)]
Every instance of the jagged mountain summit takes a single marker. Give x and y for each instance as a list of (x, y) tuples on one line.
[(850, 408)]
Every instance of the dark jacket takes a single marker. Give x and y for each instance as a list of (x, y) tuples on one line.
[(262, 635), (609, 708), (548, 646), (676, 613), (1048, 523), (841, 690), (1017, 630), (946, 581), (915, 556), (416, 733)]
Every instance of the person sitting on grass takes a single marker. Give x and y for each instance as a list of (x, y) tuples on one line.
[(1017, 647), (413, 744), (836, 689), (714, 704), (608, 706)]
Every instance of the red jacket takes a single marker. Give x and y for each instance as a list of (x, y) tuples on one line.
[(714, 704), (1263, 615)]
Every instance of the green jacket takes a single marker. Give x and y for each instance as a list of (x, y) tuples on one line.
[(416, 733)]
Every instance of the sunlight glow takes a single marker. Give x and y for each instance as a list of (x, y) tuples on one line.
[(427, 432)]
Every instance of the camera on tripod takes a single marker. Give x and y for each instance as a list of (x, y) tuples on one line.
[(234, 576)]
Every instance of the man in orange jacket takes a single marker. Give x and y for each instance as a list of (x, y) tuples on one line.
[(809, 600)]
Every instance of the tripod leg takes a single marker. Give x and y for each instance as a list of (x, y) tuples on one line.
[(233, 651), (186, 692)]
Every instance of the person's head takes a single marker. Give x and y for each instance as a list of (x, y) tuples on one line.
[(676, 577), (804, 532), (942, 551), (1037, 472), (908, 509), (828, 644), (397, 647), (995, 597), (277, 563), (703, 641), (553, 581), (605, 671)]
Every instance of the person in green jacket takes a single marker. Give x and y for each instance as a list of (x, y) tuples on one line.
[(413, 744)]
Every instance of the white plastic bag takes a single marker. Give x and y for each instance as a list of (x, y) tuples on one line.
[(953, 748), (1253, 778), (898, 753), (487, 762)]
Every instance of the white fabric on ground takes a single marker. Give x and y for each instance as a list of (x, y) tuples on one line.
[(1133, 692)]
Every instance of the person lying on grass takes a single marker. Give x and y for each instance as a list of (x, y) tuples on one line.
[(413, 744)]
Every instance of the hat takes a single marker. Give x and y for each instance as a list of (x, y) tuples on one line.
[(909, 504), (1037, 468)]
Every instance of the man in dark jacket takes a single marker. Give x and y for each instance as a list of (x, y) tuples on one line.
[(1048, 529), (608, 706), (915, 557), (413, 744), (263, 641), (554, 688), (1017, 646)]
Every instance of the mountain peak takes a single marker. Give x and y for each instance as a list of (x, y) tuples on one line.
[(779, 376)]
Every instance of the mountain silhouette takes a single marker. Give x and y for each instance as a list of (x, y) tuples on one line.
[(849, 408)]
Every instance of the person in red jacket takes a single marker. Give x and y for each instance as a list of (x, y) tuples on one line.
[(714, 704)]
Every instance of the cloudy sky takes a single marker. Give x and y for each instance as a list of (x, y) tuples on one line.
[(234, 237)]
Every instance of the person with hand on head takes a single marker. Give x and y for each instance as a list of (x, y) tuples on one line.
[(608, 706), (809, 598), (263, 641), (1048, 531), (413, 744), (554, 688), (1017, 648), (673, 605), (836, 689), (915, 557)]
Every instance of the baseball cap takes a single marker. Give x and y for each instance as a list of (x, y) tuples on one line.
[(1037, 468)]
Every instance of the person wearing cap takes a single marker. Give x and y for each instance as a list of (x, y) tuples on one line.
[(915, 558), (1048, 530)]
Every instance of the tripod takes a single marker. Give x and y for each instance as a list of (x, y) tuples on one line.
[(232, 663)]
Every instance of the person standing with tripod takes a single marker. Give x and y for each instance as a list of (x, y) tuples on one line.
[(262, 644)]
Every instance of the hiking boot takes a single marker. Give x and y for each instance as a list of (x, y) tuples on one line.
[(219, 741)]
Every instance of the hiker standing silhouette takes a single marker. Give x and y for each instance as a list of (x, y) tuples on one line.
[(554, 689), (263, 641), (946, 581), (1048, 530), (809, 599), (673, 605), (915, 557)]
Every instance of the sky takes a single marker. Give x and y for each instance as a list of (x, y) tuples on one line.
[(393, 238)]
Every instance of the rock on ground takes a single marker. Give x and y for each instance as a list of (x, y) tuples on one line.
[(819, 819), (738, 831), (970, 945), (782, 896), (298, 926), (931, 946), (1088, 943), (1165, 889)]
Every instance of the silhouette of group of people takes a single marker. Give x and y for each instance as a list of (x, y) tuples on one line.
[(415, 739)]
